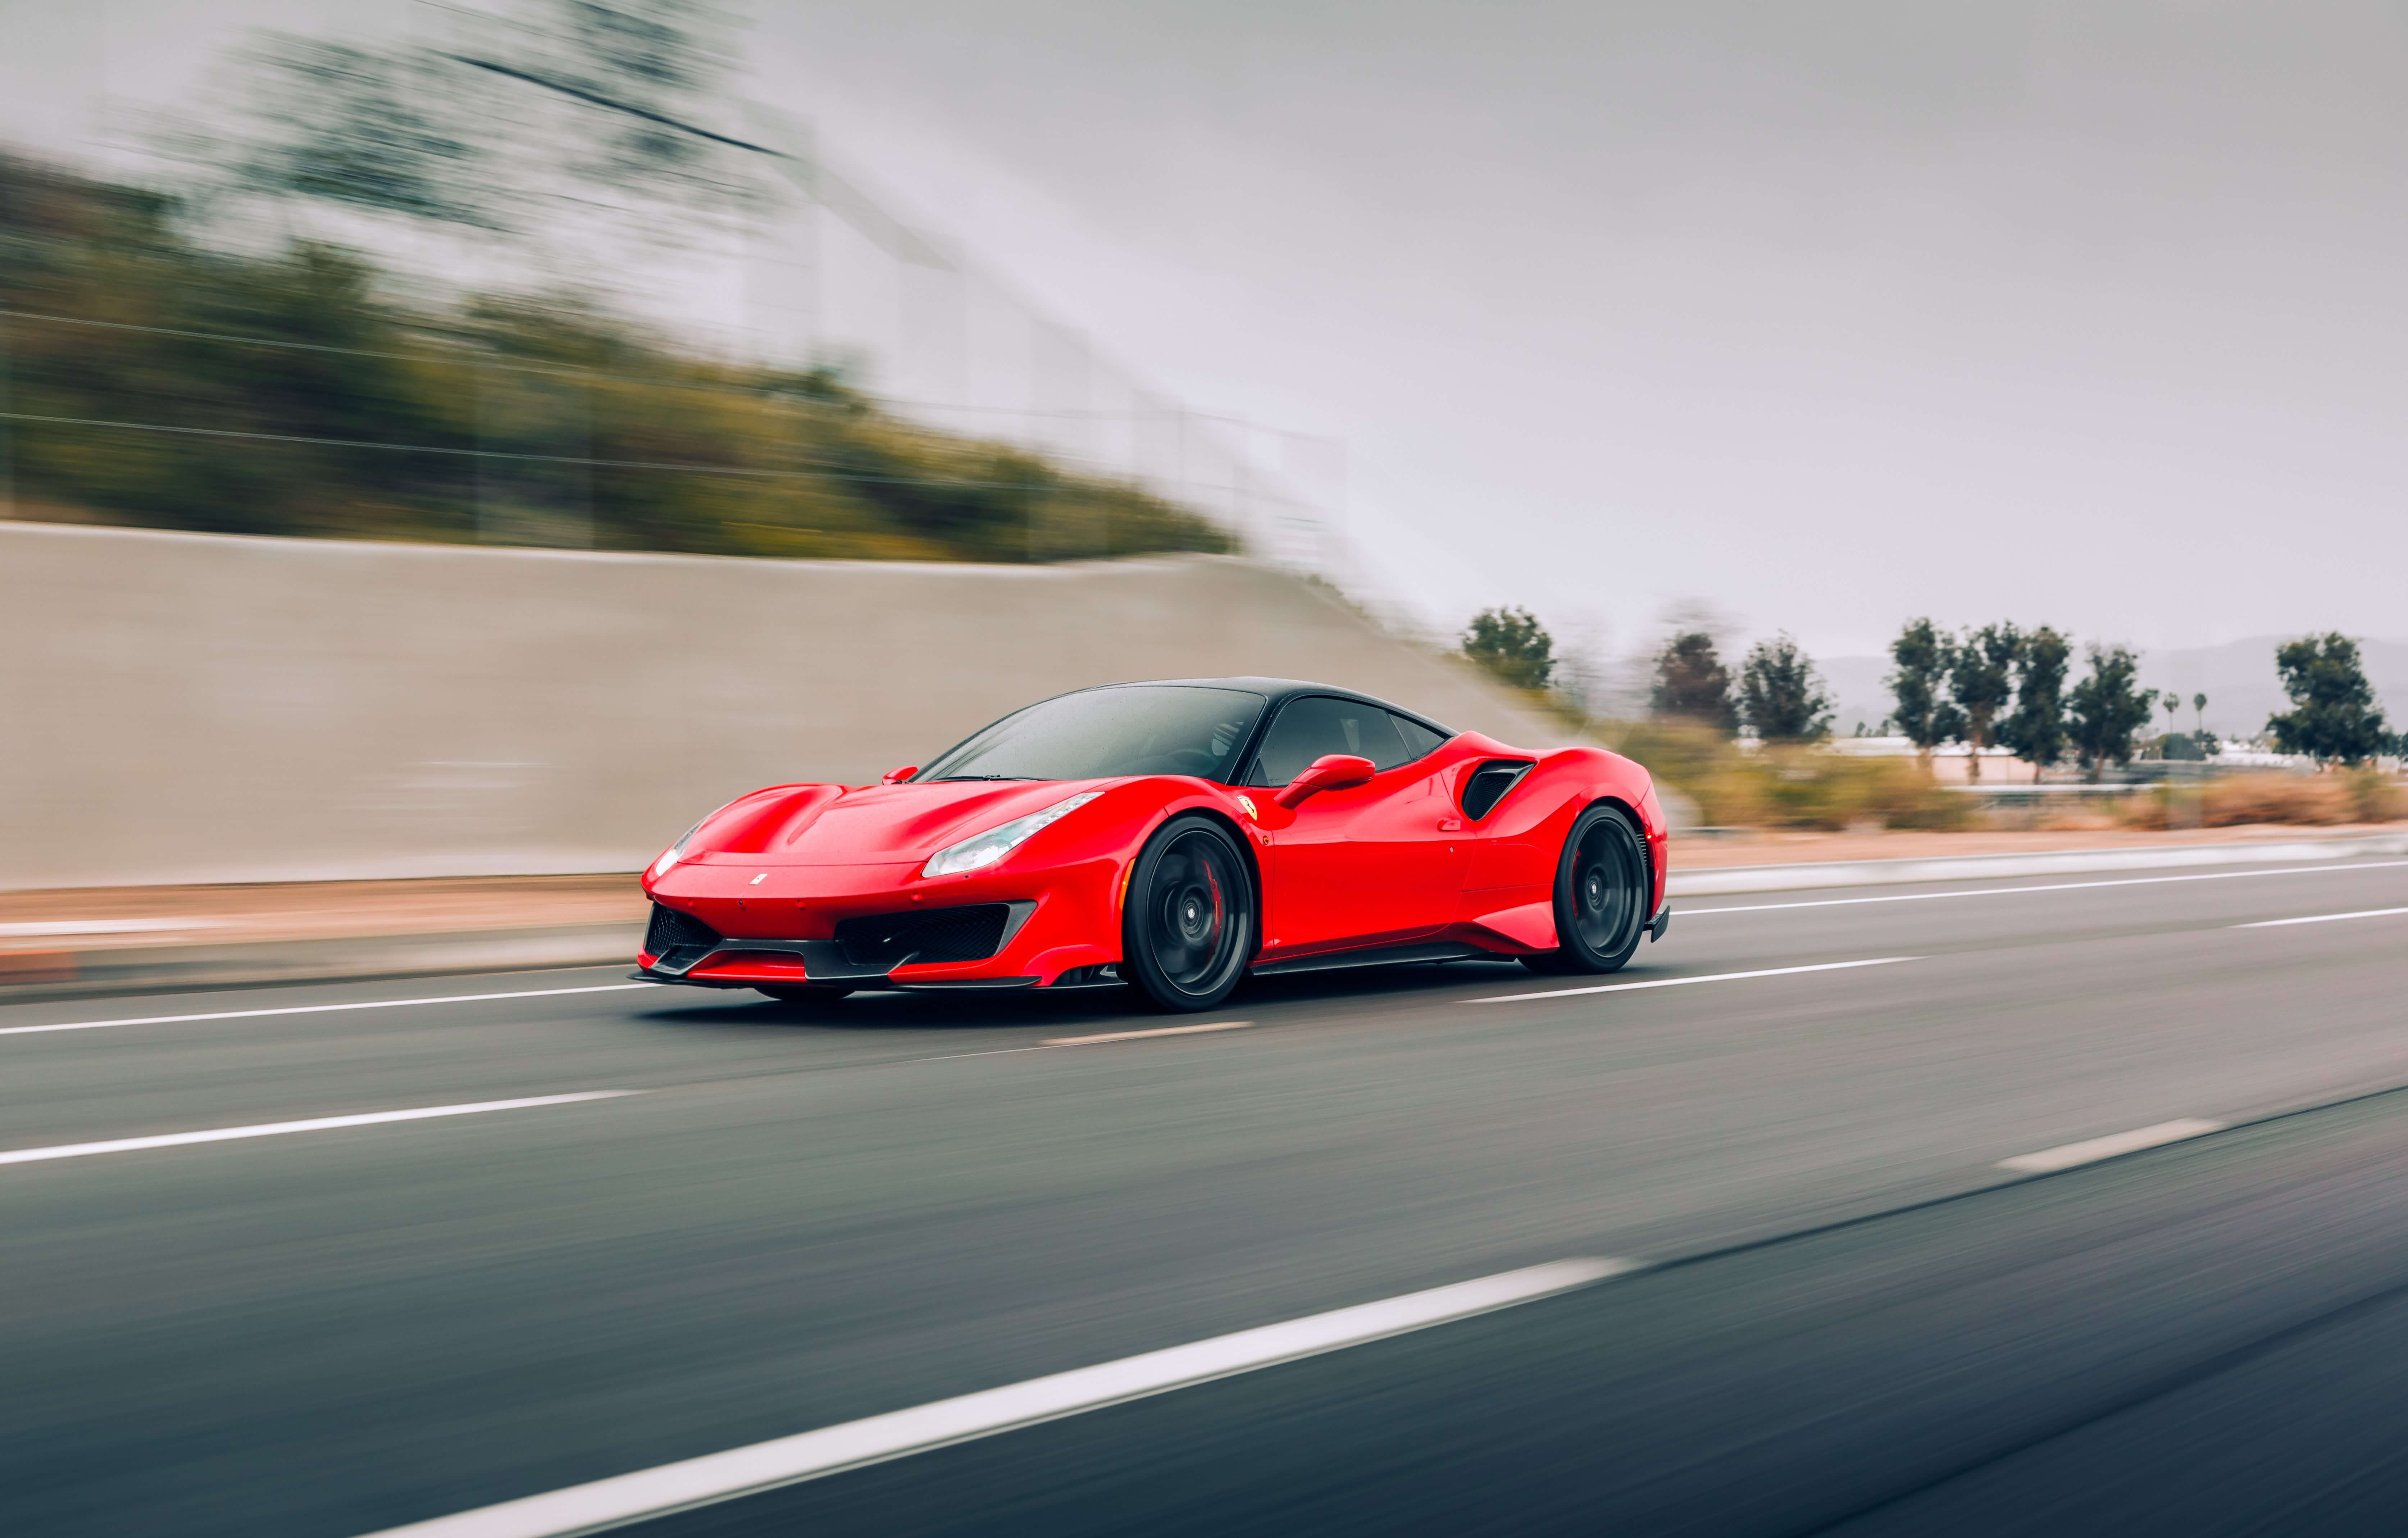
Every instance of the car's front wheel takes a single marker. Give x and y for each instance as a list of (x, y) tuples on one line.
[(1188, 930), (1601, 891)]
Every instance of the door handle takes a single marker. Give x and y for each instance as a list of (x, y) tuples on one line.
[(1450, 824)]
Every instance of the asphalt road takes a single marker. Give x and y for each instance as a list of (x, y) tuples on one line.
[(1846, 1316)]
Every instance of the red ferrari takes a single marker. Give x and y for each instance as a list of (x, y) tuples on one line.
[(1174, 836)]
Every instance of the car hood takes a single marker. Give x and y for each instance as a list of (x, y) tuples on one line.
[(835, 825)]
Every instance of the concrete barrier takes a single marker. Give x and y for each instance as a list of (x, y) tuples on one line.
[(199, 708)]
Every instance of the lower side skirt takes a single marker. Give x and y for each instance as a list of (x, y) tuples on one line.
[(1384, 955)]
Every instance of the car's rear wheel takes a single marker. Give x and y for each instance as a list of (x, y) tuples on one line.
[(1601, 891), (807, 997), (1188, 930)]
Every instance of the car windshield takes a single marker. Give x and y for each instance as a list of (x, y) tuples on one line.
[(1135, 728)]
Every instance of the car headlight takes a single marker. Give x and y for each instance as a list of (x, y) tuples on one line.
[(675, 851), (977, 853)]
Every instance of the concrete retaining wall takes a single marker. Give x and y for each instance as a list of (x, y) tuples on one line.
[(189, 707)]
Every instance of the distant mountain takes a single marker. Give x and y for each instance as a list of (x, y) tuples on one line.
[(2238, 679)]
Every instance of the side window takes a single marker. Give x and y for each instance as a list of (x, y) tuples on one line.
[(1418, 739), (1310, 727)]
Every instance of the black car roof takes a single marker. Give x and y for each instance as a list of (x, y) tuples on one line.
[(1281, 689)]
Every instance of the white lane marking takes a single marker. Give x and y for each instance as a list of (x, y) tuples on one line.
[(2053, 887), (2321, 918), (279, 1128), (319, 1008), (1139, 1035), (1710, 977), (956, 1057), (650, 1493), (2066, 1155)]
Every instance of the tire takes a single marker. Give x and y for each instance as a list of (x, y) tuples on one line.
[(1601, 891), (807, 997), (1188, 930)]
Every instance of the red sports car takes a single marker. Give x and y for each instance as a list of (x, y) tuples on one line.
[(1175, 837)]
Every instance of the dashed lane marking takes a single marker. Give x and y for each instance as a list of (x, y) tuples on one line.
[(2066, 1155), (608, 1504), (279, 1129), (1139, 1035), (2321, 918), (1683, 982), (319, 1008)]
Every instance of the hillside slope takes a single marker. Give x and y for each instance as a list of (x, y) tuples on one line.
[(160, 383)]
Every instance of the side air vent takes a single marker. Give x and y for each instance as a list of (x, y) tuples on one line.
[(678, 940), (933, 934), (1489, 783)]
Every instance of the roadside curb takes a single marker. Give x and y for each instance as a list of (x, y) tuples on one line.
[(1789, 878), (32, 976)]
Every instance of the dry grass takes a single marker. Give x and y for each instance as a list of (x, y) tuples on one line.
[(2307, 799), (1810, 788), (1789, 788)]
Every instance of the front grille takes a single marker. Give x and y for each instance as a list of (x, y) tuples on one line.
[(933, 934), (678, 940)]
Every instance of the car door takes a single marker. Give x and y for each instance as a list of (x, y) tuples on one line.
[(1380, 864)]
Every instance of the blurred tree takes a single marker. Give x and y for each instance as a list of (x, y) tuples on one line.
[(2107, 710), (1691, 683), (651, 69), (366, 129), (1781, 693), (1511, 644), (2036, 728), (607, 117), (1925, 656), (1981, 677), (2333, 718), (2198, 703)]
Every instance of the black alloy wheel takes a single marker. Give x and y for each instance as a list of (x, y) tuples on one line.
[(1188, 930), (1601, 891), (808, 997)]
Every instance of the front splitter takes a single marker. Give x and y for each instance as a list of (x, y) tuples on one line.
[(880, 983)]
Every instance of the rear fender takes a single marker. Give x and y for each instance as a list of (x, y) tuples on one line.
[(1523, 839)]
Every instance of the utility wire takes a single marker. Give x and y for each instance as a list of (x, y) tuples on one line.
[(599, 100)]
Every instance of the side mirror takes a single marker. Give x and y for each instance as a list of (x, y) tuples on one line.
[(895, 776), (1331, 771)]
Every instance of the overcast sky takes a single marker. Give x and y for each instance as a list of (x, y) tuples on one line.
[(1821, 314)]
